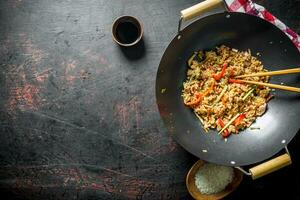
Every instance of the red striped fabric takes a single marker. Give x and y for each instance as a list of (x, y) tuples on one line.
[(247, 6)]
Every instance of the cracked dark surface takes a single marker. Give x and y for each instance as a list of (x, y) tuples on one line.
[(79, 118)]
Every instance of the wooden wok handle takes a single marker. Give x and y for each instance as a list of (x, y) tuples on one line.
[(270, 166), (195, 10)]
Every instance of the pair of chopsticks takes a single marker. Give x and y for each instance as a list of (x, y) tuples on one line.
[(271, 73)]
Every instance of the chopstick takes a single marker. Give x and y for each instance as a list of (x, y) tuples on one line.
[(281, 87), (271, 73)]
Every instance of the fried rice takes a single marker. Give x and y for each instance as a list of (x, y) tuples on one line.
[(216, 97)]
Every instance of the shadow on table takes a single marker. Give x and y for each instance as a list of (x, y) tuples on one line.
[(135, 52), (281, 184)]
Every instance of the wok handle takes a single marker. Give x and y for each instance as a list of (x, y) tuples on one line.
[(270, 166), (199, 8)]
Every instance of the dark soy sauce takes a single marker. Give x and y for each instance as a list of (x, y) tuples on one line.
[(127, 32)]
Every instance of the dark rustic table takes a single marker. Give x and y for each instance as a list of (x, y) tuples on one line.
[(78, 113)]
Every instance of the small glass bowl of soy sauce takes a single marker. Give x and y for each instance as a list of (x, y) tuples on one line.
[(127, 31)]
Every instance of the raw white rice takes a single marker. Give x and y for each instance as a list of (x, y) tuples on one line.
[(212, 178)]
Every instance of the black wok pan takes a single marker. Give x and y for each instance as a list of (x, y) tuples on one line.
[(241, 31)]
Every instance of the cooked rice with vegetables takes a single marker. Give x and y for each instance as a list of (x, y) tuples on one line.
[(217, 99)]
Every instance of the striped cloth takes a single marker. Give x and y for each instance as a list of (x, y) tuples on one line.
[(247, 6)]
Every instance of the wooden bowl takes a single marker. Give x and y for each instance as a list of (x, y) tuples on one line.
[(196, 194)]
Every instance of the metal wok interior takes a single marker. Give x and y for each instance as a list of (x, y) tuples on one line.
[(278, 125)]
